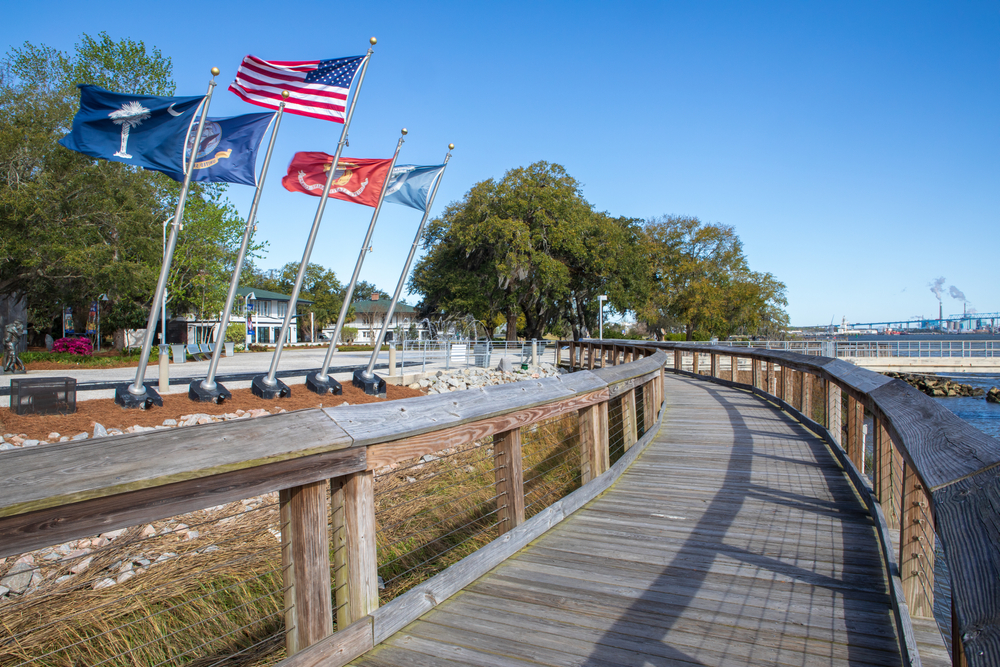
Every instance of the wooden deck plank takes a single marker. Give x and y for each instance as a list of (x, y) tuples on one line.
[(734, 539)]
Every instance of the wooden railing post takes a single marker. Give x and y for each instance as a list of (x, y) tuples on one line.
[(572, 356), (509, 479), (558, 352), (594, 454), (630, 431), (805, 397), (358, 493), (734, 366), (714, 366), (916, 547), (855, 433), (677, 360), (755, 371), (649, 405), (305, 556), (833, 416), (694, 363), (590, 356)]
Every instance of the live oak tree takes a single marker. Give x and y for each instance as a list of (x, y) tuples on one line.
[(529, 245), (73, 228), (700, 280)]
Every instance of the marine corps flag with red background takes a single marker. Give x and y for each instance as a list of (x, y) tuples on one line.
[(359, 180)]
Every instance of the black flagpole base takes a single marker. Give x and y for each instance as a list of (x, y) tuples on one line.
[(143, 401), (373, 386), (217, 395), (269, 391), (327, 386)]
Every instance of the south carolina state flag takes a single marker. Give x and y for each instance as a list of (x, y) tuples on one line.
[(357, 180)]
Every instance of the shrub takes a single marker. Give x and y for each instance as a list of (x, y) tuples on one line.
[(79, 346)]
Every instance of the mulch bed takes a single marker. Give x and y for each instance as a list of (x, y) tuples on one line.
[(105, 412)]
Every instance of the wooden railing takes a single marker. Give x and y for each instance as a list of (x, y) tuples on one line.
[(323, 464), (927, 474)]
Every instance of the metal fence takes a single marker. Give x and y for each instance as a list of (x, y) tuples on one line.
[(423, 355), (895, 348)]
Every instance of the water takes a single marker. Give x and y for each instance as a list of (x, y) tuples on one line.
[(976, 411)]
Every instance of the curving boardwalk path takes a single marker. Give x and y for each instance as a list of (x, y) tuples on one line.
[(734, 539)]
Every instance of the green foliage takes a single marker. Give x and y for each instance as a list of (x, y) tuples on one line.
[(348, 334), (700, 280), (236, 333), (319, 285), (75, 227), (528, 245)]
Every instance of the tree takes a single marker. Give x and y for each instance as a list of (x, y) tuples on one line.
[(528, 245), (319, 285), (700, 280), (74, 227)]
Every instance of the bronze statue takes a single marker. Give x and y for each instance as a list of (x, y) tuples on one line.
[(12, 336)]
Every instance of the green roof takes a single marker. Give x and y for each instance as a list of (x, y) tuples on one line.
[(381, 306), (264, 294)]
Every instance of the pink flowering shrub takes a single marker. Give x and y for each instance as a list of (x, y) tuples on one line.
[(80, 346)]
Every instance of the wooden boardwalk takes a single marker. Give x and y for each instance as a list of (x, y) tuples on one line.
[(734, 539)]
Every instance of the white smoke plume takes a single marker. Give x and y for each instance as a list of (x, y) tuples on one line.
[(937, 287), (956, 294)]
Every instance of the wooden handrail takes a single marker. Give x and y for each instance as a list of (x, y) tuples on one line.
[(932, 472), (66, 491)]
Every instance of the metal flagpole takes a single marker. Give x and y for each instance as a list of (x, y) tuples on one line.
[(269, 386), (321, 382), (367, 380), (208, 389), (136, 395)]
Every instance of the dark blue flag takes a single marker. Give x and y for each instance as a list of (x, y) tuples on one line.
[(141, 130), (228, 150)]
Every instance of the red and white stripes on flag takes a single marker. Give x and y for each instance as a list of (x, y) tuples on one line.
[(317, 88)]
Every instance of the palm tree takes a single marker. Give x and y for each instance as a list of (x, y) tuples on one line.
[(130, 115)]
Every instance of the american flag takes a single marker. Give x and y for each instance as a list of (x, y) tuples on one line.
[(316, 88)]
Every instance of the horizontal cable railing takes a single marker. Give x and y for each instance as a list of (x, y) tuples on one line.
[(265, 541), (928, 477)]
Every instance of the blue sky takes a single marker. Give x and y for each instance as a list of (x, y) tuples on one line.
[(854, 146)]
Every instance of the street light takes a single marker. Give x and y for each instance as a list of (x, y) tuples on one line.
[(104, 298), (601, 298), (246, 318)]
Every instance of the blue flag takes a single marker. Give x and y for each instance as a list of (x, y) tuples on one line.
[(410, 185), (141, 130), (228, 151)]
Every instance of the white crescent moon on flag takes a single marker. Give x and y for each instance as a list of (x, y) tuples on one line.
[(171, 111)]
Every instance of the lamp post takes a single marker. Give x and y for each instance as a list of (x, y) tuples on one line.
[(601, 298), (104, 298), (246, 317)]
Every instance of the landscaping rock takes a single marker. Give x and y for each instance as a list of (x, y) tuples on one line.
[(100, 431), (993, 395), (80, 436), (18, 578)]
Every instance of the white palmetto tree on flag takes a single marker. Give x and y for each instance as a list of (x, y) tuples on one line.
[(130, 115)]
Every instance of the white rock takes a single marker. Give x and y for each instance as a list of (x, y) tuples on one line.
[(104, 583), (125, 576), (29, 443), (3, 591), (80, 436), (170, 422), (100, 431), (65, 577), (113, 534), (148, 531), (4, 446), (53, 436), (427, 458), (82, 565)]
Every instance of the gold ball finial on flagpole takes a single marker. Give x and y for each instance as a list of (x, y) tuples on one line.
[(284, 94), (373, 41), (404, 130), (451, 147), (215, 71)]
